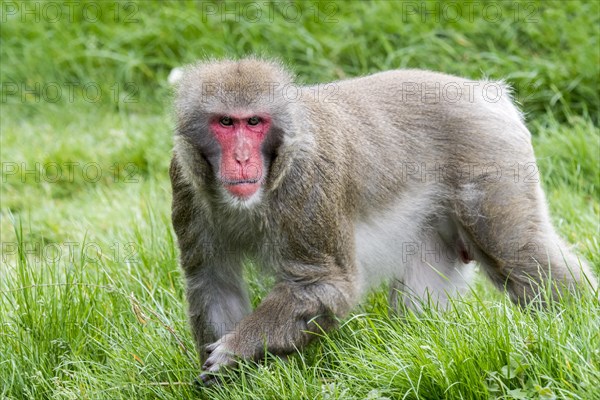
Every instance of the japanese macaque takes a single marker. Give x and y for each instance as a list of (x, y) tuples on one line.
[(403, 176)]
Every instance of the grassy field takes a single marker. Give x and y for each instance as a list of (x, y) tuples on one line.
[(91, 297)]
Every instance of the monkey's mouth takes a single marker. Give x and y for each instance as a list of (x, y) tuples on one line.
[(242, 188), (229, 182)]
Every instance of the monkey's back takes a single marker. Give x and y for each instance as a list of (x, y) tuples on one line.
[(417, 128)]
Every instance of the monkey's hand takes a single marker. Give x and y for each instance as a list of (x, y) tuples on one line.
[(285, 321), (218, 355), (250, 343)]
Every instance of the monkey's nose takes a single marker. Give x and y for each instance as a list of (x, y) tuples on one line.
[(241, 160), (242, 156)]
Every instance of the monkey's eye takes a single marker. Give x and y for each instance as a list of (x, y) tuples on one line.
[(226, 121), (253, 121)]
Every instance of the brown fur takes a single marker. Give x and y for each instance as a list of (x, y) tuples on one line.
[(341, 173)]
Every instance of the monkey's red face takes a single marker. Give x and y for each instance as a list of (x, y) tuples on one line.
[(242, 167)]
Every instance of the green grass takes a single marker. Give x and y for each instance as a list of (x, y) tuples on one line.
[(91, 297)]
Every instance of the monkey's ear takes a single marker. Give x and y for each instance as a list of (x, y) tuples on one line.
[(279, 169), (175, 76)]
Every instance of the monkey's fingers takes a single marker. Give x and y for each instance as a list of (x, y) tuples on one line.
[(218, 359), (208, 349), (210, 376), (218, 356), (207, 379)]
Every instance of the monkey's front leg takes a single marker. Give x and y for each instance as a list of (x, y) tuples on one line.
[(283, 322), (218, 300)]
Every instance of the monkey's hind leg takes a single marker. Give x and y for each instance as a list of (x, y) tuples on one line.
[(513, 239), (436, 271)]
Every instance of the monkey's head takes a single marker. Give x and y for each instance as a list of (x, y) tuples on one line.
[(231, 116)]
